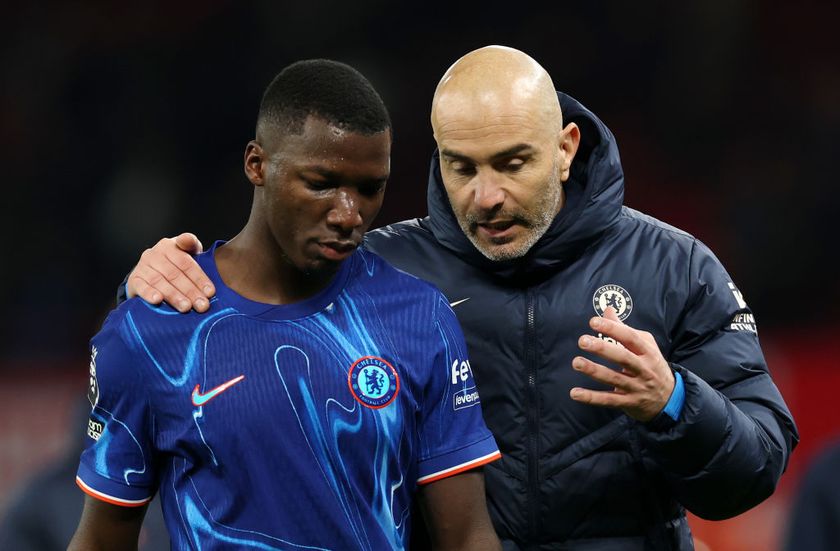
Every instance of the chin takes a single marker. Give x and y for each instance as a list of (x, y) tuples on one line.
[(321, 267), (508, 251)]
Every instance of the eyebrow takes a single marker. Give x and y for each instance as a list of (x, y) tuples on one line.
[(320, 171), (333, 175), (509, 152)]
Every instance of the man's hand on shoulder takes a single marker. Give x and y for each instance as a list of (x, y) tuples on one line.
[(168, 272)]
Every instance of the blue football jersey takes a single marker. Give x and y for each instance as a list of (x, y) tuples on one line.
[(301, 426)]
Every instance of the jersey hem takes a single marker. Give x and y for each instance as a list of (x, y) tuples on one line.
[(458, 469), (113, 500)]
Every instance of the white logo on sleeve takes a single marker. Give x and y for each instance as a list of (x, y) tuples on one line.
[(738, 296), (468, 396), (742, 321), (93, 385), (95, 428), (461, 371)]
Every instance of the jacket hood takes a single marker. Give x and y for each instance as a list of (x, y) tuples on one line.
[(594, 195)]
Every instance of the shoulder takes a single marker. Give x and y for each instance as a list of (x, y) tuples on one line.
[(659, 240), (636, 221), (381, 272), (136, 329), (413, 229), (394, 286), (401, 239)]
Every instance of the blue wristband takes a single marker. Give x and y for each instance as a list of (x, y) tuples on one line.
[(674, 407)]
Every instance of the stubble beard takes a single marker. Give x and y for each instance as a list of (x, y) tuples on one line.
[(534, 224)]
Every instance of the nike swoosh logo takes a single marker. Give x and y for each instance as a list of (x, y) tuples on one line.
[(457, 302), (199, 398)]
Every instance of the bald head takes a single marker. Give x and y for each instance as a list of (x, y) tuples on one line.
[(504, 152), (495, 81)]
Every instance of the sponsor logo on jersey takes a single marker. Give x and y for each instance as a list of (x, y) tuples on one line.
[(615, 296), (461, 371), (93, 386), (200, 398), (465, 398), (95, 428), (373, 382)]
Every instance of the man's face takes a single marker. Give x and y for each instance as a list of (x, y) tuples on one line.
[(503, 173), (321, 191)]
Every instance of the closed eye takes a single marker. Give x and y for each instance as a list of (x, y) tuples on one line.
[(318, 185), (462, 169), (372, 188), (512, 165)]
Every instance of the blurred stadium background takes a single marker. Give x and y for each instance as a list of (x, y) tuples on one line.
[(120, 124)]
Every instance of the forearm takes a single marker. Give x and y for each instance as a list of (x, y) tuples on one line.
[(731, 445), (105, 527), (88, 542), (456, 514), (475, 542)]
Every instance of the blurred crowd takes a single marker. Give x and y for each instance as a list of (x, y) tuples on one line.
[(119, 124)]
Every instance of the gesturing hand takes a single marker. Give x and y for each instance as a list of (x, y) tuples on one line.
[(168, 272), (642, 387)]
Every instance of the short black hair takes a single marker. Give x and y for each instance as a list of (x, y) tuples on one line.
[(331, 90)]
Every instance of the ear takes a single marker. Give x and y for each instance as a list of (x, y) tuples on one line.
[(254, 159), (569, 142)]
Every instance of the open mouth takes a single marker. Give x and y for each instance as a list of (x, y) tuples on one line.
[(496, 228)]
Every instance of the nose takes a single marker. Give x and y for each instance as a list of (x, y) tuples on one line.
[(488, 193), (345, 216)]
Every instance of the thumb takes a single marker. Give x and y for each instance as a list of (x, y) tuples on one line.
[(188, 242)]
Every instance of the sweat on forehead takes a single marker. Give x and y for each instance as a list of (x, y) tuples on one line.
[(495, 81)]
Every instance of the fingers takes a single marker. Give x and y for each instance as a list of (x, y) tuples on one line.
[(137, 286), (167, 272), (634, 340), (191, 279), (599, 398), (611, 351), (153, 287), (611, 314), (603, 374), (188, 243)]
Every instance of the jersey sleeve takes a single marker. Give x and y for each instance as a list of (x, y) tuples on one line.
[(453, 436), (116, 464)]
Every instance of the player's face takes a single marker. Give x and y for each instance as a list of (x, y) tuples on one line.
[(503, 173), (322, 189)]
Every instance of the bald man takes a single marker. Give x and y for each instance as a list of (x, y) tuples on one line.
[(618, 364)]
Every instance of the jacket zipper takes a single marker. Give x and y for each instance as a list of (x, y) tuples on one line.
[(533, 419)]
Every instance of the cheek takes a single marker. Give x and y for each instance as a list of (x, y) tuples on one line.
[(370, 209), (460, 198)]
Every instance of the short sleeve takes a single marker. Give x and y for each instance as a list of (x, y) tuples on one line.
[(453, 436), (116, 464)]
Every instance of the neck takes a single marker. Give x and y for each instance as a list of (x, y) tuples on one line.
[(255, 266)]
